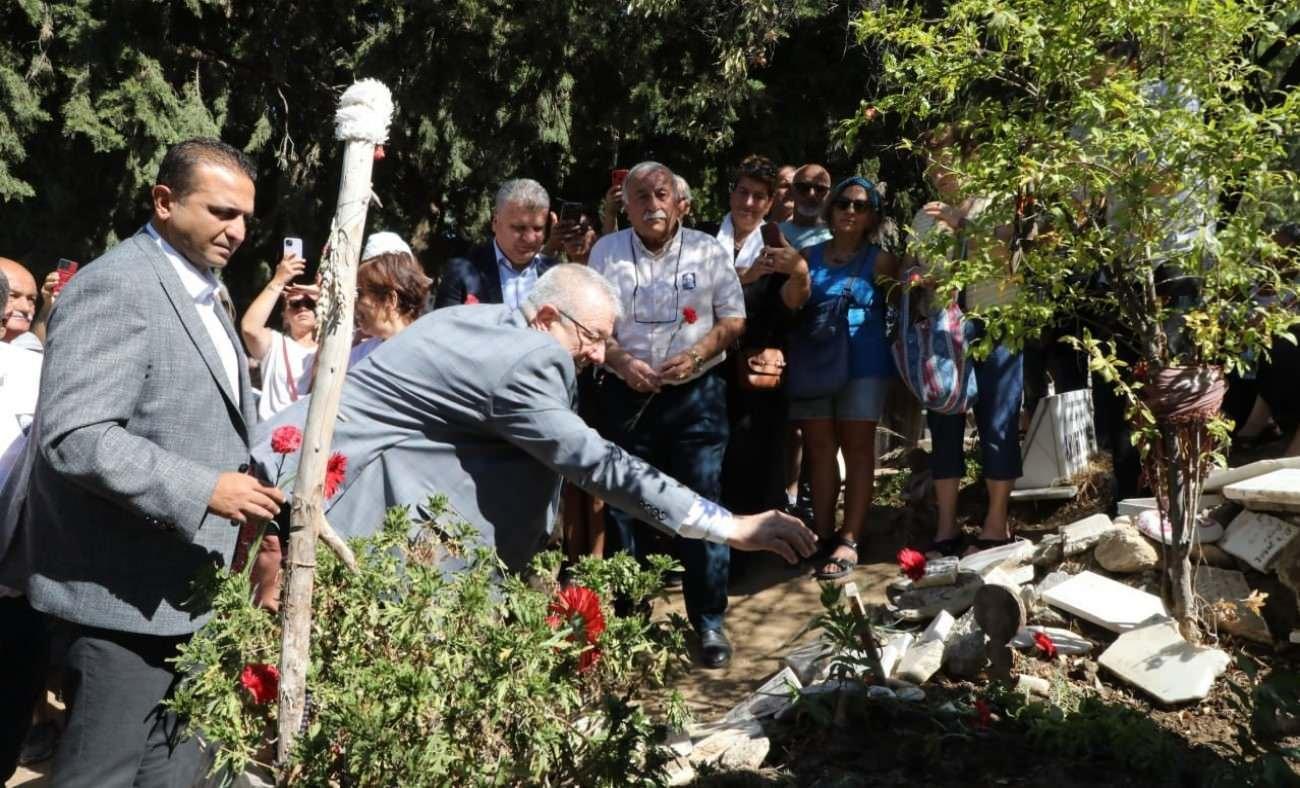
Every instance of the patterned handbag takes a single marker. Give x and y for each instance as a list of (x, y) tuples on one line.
[(930, 352)]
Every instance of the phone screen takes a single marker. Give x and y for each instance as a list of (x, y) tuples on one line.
[(570, 212), (771, 234)]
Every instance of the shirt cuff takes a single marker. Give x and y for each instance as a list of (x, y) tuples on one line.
[(707, 520)]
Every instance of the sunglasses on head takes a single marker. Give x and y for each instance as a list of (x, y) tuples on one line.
[(858, 206), (810, 187), (302, 303)]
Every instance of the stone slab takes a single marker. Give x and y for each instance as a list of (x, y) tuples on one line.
[(741, 745), (1017, 552), (963, 654), (1221, 477), (1274, 491), (1104, 602), (810, 661), (1132, 507), (923, 604), (1156, 659), (1079, 537), (1217, 586), (925, 657), (1066, 642), (1008, 575), (1045, 493), (1258, 538), (768, 700), (892, 652)]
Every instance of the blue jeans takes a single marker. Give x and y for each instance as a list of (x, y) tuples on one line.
[(1000, 380), (682, 432)]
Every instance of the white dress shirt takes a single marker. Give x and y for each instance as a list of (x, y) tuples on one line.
[(20, 382), (516, 284), (691, 271), (202, 286)]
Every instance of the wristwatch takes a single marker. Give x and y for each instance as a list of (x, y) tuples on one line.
[(697, 361)]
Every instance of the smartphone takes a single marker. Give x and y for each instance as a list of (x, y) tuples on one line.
[(771, 234), (616, 177), (66, 268), (293, 245), (570, 212)]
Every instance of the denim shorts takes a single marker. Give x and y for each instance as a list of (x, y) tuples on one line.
[(860, 399)]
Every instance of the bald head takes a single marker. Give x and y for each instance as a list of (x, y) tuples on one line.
[(20, 306), (811, 185)]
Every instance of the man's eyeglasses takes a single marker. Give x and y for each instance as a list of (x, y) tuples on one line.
[(586, 333), (811, 187), (858, 206), (302, 303)]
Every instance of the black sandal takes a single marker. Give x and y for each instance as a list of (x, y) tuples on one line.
[(843, 565), (948, 548)]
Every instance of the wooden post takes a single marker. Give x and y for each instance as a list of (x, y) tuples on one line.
[(359, 124)]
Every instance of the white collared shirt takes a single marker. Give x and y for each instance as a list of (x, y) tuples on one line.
[(515, 284), (692, 271), (201, 285)]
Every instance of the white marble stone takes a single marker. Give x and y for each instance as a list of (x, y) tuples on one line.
[(1045, 493), (893, 651), (925, 657), (1258, 538), (1274, 491), (809, 661), (1080, 536), (1132, 507), (1157, 660), (1009, 575), (1017, 552), (768, 700), (1104, 602), (741, 745), (1034, 685), (1221, 477), (1066, 642)]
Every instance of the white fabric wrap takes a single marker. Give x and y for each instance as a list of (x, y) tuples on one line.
[(365, 110)]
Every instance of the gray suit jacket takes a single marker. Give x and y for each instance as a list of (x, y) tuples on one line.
[(108, 511), (471, 403)]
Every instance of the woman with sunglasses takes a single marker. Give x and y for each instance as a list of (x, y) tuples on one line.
[(284, 357), (849, 264)]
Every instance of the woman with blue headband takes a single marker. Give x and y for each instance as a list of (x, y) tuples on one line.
[(848, 265)]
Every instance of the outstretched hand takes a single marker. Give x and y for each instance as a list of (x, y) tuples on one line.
[(775, 532)]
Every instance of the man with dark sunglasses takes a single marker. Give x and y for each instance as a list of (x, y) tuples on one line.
[(810, 186)]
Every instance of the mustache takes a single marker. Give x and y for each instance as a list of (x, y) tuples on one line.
[(658, 213)]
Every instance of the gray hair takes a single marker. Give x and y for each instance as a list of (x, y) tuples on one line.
[(4, 288), (645, 169), (683, 188), (568, 285), (524, 193)]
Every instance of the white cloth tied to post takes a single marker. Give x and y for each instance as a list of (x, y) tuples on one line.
[(364, 112)]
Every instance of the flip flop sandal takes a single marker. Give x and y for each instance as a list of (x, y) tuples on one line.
[(843, 565), (948, 548)]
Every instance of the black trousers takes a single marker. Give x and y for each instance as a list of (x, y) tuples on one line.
[(118, 733), (24, 658)]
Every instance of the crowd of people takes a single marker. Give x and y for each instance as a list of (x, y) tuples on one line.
[(677, 379)]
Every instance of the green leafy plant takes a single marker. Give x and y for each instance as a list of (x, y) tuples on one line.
[(1134, 158), (431, 665)]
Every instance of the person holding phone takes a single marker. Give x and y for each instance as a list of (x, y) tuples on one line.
[(774, 280), (284, 357)]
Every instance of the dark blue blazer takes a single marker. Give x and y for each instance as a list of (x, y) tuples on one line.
[(475, 274)]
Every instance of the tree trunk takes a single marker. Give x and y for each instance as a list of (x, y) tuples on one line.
[(1182, 491), (340, 269)]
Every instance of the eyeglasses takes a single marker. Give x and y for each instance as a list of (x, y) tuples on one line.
[(586, 333), (858, 206), (811, 187), (302, 303)]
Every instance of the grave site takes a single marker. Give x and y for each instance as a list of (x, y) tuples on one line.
[(1049, 661)]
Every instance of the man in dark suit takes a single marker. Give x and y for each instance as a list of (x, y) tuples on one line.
[(132, 486), (505, 270)]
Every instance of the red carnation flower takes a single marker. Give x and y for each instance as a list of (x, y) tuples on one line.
[(984, 714), (470, 298), (579, 608), (689, 314), (912, 563), (286, 439), (1044, 644), (262, 681), (335, 471)]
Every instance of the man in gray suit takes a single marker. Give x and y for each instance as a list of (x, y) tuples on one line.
[(131, 485), (476, 403)]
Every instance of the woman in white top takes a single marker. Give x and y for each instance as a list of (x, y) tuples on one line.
[(285, 358)]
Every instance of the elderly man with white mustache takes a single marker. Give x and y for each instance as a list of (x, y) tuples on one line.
[(666, 401)]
